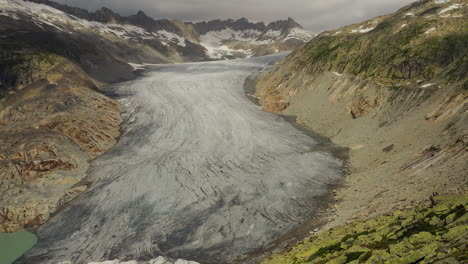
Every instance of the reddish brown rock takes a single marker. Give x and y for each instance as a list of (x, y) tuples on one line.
[(48, 133)]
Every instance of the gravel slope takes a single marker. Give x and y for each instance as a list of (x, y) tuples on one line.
[(200, 173)]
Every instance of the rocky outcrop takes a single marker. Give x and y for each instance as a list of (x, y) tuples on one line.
[(451, 106), (49, 131), (432, 234)]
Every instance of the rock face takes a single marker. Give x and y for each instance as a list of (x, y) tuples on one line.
[(50, 129), (429, 235), (392, 89)]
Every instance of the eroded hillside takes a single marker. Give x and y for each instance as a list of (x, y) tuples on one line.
[(394, 90), (50, 129)]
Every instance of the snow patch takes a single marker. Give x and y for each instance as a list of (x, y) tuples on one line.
[(442, 1), (171, 37), (430, 30), (137, 66), (43, 15), (410, 14), (123, 31), (8, 14), (450, 8), (427, 85), (217, 38), (224, 51), (337, 74), (272, 34), (361, 29), (301, 34), (214, 41)]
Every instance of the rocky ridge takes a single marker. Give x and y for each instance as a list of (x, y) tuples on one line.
[(187, 38), (393, 90)]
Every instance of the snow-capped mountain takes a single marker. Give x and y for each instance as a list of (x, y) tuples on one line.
[(225, 38), (157, 40)]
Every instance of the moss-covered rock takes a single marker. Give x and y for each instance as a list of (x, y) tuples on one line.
[(426, 235)]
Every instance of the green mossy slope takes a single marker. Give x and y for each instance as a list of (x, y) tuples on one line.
[(418, 43), (437, 234)]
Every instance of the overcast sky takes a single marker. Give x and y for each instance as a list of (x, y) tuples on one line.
[(314, 15)]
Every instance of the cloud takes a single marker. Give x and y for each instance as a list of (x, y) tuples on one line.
[(315, 15)]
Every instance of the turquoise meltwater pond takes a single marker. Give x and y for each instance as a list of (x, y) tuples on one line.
[(14, 245)]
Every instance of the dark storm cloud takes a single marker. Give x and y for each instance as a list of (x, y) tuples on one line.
[(315, 15)]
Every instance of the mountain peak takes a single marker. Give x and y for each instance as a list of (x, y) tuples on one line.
[(106, 10), (284, 24), (243, 20), (106, 15), (291, 21), (141, 13)]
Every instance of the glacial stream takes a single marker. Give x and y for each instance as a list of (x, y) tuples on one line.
[(200, 173)]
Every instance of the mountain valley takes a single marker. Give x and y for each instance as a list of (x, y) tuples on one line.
[(134, 140)]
